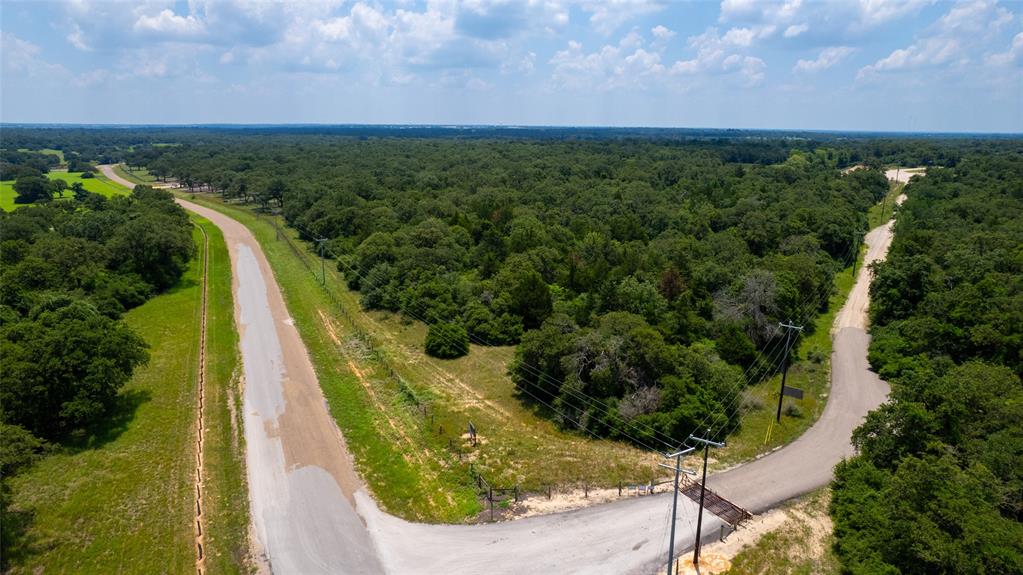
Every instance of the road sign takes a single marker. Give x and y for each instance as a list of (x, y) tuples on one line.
[(793, 392)]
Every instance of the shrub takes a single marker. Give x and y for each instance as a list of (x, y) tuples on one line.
[(447, 341)]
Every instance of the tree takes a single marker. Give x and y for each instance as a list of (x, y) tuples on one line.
[(447, 340), (64, 368), (78, 189), (59, 186), (154, 246), (31, 189)]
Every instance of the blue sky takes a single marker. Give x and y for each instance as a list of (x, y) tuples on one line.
[(909, 65)]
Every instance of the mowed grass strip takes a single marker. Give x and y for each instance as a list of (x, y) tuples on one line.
[(124, 502), (403, 454), (225, 496), (138, 176), (98, 184)]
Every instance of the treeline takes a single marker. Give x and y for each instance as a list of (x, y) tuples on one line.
[(69, 270), (638, 273), (937, 486)]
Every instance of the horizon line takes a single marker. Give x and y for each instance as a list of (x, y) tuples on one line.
[(509, 126)]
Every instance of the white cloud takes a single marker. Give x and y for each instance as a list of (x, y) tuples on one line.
[(21, 57), (662, 33), (76, 38), (171, 24), (795, 30), (836, 19), (626, 65), (609, 15), (876, 12), (744, 37), (715, 56), (1012, 55), (956, 39), (826, 59)]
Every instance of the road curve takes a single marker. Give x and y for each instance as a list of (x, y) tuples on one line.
[(312, 514)]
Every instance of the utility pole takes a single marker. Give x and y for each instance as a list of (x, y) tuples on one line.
[(323, 270), (785, 362), (856, 253), (707, 444), (674, 504)]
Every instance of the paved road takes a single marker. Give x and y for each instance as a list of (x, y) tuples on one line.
[(312, 514)]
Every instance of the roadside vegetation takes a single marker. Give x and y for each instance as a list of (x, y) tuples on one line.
[(226, 493), (101, 310), (135, 175), (407, 431), (71, 357), (801, 545), (937, 486)]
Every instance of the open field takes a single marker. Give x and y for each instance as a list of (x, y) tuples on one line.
[(98, 184), (407, 430), (123, 501), (47, 151), (138, 176)]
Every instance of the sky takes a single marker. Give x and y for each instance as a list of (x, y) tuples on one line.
[(908, 65)]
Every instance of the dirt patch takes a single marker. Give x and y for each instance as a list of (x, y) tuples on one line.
[(567, 500)]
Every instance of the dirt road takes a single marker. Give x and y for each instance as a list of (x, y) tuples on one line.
[(312, 514)]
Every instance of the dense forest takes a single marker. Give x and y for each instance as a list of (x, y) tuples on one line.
[(637, 278), (637, 275), (938, 483), (70, 269)]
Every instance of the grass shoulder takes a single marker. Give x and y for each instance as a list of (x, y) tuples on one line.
[(137, 176)]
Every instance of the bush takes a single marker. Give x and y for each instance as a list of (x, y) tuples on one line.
[(447, 341)]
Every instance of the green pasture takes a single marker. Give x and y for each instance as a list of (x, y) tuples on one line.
[(98, 184)]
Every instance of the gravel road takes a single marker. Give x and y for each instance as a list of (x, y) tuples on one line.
[(312, 514)]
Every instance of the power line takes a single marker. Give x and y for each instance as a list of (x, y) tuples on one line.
[(561, 413)]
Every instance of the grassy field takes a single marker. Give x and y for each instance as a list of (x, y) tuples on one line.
[(123, 502), (98, 184), (802, 545), (139, 176), (48, 151), (407, 430)]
